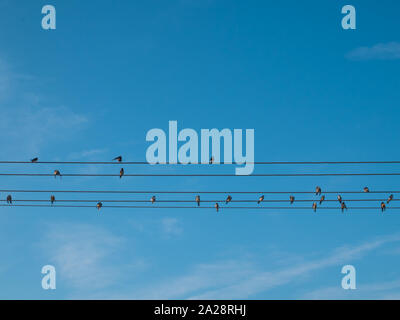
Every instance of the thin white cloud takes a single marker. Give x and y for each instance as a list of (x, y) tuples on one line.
[(381, 290), (238, 280), (80, 254), (380, 51), (29, 128), (27, 123), (171, 226)]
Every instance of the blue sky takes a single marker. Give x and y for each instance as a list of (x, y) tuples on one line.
[(91, 89)]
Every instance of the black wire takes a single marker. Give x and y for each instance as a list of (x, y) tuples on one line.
[(200, 175), (168, 163), (190, 192), (193, 207), (202, 201)]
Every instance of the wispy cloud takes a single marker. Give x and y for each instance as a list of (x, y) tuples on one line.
[(30, 128), (80, 254), (380, 51), (171, 226), (381, 290), (237, 280), (27, 122)]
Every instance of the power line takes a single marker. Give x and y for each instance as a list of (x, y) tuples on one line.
[(194, 207), (199, 174), (207, 163), (192, 201), (190, 192)]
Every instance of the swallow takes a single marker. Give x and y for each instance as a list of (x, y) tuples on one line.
[(291, 199), (217, 206), (383, 206), (314, 206), (153, 199), (343, 206), (211, 160), (260, 199), (198, 200), (99, 205), (121, 173), (119, 158), (366, 189), (52, 199), (318, 191), (9, 199), (390, 198), (57, 173), (322, 199), (339, 197), (228, 199), (34, 160)]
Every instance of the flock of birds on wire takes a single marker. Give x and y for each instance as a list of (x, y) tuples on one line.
[(318, 192)]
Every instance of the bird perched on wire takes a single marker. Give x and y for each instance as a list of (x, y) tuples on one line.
[(390, 198), (217, 206), (318, 191), (322, 199), (211, 160), (9, 199), (34, 160), (121, 173), (57, 173), (52, 199), (291, 199), (228, 199), (99, 205), (383, 206), (339, 197), (153, 199), (366, 189), (198, 200), (260, 199), (343, 206), (314, 206), (119, 159)]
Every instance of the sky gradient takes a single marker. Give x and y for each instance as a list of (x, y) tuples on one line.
[(91, 89)]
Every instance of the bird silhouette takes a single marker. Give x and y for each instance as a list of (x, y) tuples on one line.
[(57, 173), (198, 200), (211, 160), (99, 205), (260, 199), (153, 199), (228, 199), (119, 158), (322, 199), (9, 199), (34, 159), (390, 198), (121, 173), (291, 199), (52, 199), (366, 189), (314, 206), (217, 206), (318, 191), (343, 206), (383, 206), (339, 197)]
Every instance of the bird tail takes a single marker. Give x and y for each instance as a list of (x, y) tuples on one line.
[(198, 203)]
